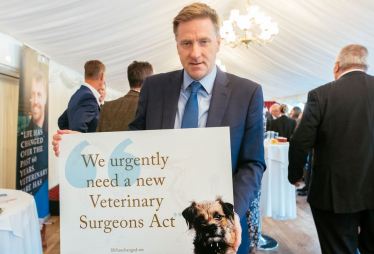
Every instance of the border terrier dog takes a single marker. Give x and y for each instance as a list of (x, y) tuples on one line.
[(213, 223)]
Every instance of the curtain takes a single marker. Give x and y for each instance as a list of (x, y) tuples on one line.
[(268, 104), (9, 88)]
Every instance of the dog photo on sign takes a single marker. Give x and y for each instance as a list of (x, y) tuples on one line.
[(213, 222)]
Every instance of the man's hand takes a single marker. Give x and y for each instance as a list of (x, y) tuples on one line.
[(297, 184), (57, 137), (238, 233)]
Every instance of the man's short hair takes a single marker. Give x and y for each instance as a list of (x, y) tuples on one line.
[(273, 106), (196, 11), (93, 69), (353, 56), (137, 72), (38, 75)]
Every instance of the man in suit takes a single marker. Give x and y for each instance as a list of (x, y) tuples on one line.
[(274, 114), (268, 118), (83, 109), (201, 95), (126, 106), (283, 125), (338, 122)]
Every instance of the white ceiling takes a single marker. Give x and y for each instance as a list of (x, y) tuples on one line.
[(300, 58)]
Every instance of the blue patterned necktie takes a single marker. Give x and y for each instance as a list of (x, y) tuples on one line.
[(191, 111)]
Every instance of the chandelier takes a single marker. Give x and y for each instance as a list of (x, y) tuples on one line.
[(255, 27)]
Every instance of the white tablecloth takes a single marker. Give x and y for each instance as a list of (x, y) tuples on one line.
[(278, 197), (19, 225)]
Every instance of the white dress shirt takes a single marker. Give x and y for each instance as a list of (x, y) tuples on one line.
[(95, 93), (204, 97), (349, 72)]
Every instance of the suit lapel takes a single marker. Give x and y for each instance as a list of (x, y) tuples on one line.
[(220, 99), (171, 97)]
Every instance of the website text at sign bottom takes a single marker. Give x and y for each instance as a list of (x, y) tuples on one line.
[(126, 250)]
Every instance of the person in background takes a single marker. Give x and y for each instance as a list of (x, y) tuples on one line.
[(274, 111), (274, 114), (267, 119), (338, 123), (283, 125), (83, 110), (116, 115), (295, 112), (102, 92)]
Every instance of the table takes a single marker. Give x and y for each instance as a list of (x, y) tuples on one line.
[(19, 225), (278, 197)]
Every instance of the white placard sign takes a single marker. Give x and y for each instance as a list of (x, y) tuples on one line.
[(124, 192)]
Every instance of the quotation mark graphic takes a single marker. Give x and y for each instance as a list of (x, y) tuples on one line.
[(76, 171), (120, 163)]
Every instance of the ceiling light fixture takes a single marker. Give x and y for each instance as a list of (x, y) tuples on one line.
[(256, 26)]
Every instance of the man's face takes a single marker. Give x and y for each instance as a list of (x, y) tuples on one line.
[(38, 100), (102, 92), (197, 45), (275, 112)]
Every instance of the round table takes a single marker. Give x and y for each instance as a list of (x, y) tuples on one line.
[(19, 224), (278, 197)]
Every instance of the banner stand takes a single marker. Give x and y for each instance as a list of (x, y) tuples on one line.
[(32, 129)]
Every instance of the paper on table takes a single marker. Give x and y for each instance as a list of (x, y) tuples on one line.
[(6, 199)]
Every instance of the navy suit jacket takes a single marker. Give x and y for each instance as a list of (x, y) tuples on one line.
[(237, 103), (83, 112)]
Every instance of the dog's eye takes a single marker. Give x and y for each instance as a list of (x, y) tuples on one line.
[(218, 216)]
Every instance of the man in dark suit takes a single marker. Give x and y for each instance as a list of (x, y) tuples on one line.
[(268, 118), (274, 114), (126, 106), (83, 109), (202, 95), (338, 122), (283, 125)]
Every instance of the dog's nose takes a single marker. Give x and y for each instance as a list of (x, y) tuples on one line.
[(212, 228)]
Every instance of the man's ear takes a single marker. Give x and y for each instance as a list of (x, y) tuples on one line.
[(219, 42), (189, 214), (336, 67)]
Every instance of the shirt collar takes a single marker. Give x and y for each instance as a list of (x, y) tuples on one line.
[(349, 72), (95, 93), (207, 82)]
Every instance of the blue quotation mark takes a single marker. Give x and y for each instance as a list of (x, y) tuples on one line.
[(77, 173)]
